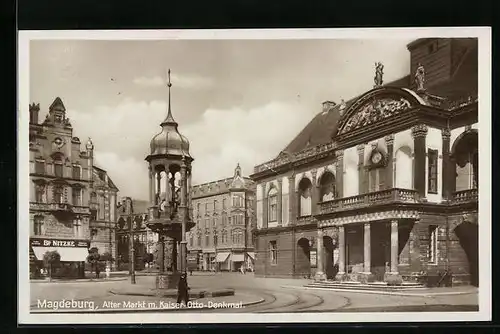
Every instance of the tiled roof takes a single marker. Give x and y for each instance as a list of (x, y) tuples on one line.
[(323, 127)]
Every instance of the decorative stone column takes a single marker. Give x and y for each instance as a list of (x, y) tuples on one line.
[(362, 188), (292, 200), (367, 274), (158, 189), (445, 171), (419, 134), (340, 173), (151, 185), (320, 252), (292, 217), (280, 202), (389, 140), (184, 216), (341, 274), (393, 277)]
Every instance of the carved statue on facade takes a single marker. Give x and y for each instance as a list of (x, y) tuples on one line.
[(379, 73), (420, 77), (90, 145)]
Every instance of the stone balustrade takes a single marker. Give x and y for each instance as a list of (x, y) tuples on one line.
[(466, 196), (387, 196)]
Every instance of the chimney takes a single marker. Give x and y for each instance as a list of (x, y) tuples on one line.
[(328, 105), (34, 110)]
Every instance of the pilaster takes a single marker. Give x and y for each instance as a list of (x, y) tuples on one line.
[(362, 188), (265, 207), (389, 140), (340, 173), (446, 171), (419, 134), (280, 201)]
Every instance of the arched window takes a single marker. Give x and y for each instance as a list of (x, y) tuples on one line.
[(305, 196), (465, 155), (199, 240), (403, 172), (273, 204), (327, 187)]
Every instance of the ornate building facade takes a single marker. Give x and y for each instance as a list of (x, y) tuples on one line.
[(66, 214), (224, 216), (383, 187), (134, 212)]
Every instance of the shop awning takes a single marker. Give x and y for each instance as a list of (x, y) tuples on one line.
[(222, 257), (251, 254), (237, 258), (68, 254)]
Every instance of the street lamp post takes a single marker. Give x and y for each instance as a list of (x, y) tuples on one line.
[(132, 253)]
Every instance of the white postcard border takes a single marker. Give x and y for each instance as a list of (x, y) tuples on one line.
[(484, 313)]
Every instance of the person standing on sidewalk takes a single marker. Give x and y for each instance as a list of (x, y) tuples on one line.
[(183, 290)]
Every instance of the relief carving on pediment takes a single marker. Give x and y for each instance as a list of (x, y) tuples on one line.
[(375, 111)]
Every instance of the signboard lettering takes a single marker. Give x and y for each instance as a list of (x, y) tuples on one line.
[(59, 243)]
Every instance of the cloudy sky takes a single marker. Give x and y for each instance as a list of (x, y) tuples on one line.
[(236, 101)]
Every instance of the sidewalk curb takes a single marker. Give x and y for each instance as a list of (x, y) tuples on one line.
[(172, 293), (390, 293), (82, 280)]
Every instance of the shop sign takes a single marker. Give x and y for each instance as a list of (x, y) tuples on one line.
[(313, 258), (59, 243)]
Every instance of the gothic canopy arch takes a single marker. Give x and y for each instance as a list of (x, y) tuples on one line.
[(376, 105)]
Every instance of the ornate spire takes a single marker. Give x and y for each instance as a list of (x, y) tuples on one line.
[(170, 119)]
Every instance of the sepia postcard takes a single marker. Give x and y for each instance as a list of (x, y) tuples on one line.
[(249, 176)]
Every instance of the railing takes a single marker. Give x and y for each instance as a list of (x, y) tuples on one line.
[(51, 206), (465, 196), (394, 195)]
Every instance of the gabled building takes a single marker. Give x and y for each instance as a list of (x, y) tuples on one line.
[(224, 216), (63, 183), (382, 186)]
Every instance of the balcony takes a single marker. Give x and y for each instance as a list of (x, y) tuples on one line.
[(388, 196), (465, 196), (59, 207), (51, 207)]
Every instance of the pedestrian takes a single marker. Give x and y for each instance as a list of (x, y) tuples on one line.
[(97, 271), (183, 290)]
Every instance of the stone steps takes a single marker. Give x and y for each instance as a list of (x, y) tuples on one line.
[(378, 286)]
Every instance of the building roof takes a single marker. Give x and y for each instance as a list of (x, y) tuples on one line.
[(323, 127)]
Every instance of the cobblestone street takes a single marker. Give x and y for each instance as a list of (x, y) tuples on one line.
[(262, 295)]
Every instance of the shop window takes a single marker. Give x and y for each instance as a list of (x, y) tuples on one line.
[(433, 243), (273, 205), (273, 251), (432, 175)]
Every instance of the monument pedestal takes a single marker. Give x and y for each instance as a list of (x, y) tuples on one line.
[(167, 280)]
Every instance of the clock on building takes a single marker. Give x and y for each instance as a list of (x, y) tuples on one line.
[(376, 157), (58, 142)]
